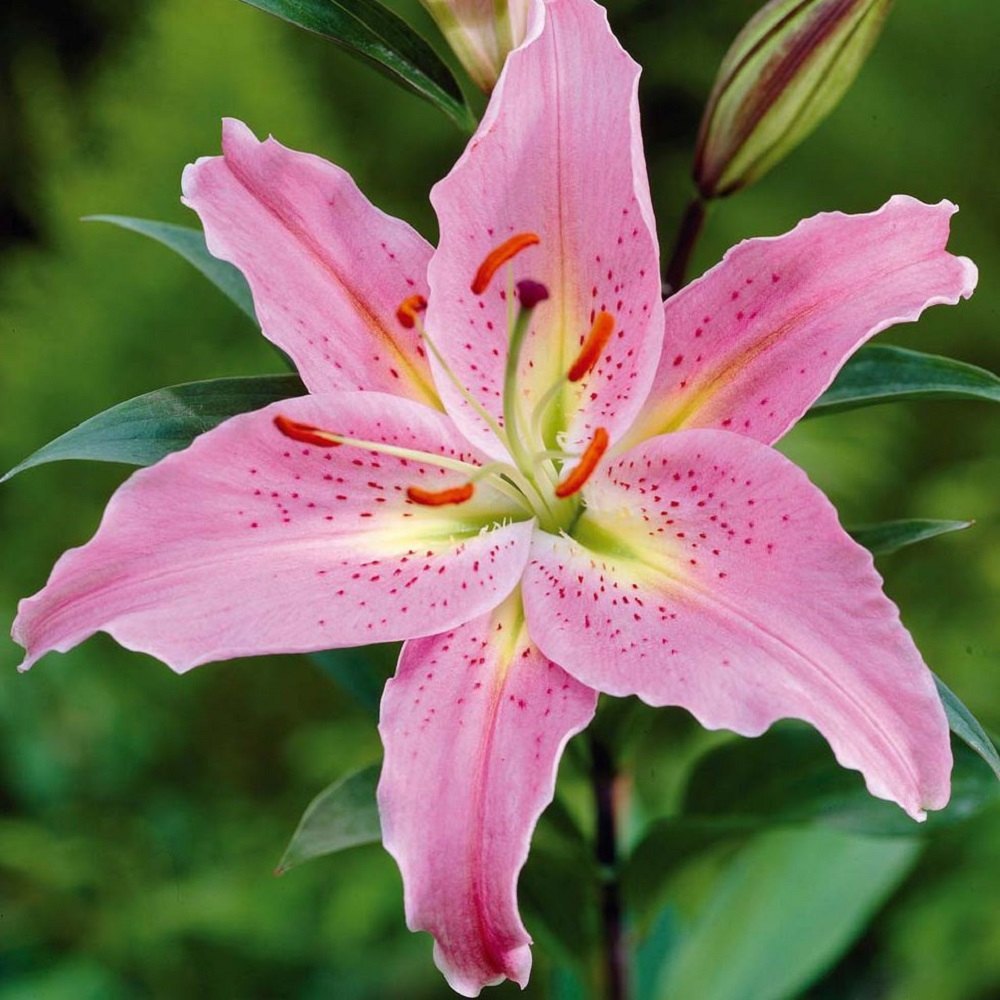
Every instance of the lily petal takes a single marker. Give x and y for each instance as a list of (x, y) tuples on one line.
[(572, 172), (249, 543), (708, 572), (327, 269), (474, 724), (750, 345)]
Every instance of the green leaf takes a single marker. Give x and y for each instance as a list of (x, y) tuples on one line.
[(361, 671), (190, 244), (145, 429), (882, 374), (666, 847), (558, 894), (384, 40), (966, 726), (787, 777), (343, 815), (793, 901), (891, 536), (790, 776)]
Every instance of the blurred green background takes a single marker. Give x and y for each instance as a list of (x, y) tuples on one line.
[(141, 814)]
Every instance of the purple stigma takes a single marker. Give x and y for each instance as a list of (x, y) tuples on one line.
[(531, 293)]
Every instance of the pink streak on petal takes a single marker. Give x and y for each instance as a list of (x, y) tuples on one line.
[(753, 343), (249, 543), (729, 588), (474, 724), (327, 269), (572, 171)]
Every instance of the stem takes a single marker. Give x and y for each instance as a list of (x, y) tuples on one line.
[(687, 236), (614, 952)]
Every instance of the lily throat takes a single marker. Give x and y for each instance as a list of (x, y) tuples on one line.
[(540, 475)]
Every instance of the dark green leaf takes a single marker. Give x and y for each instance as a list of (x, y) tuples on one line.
[(789, 777), (891, 536), (343, 815), (143, 430), (558, 895), (793, 901), (966, 726), (361, 671), (881, 374), (654, 951), (190, 244), (384, 40)]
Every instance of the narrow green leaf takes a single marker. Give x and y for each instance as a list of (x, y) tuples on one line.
[(190, 244), (787, 908), (381, 38), (882, 374), (343, 815), (891, 536), (967, 727), (145, 429)]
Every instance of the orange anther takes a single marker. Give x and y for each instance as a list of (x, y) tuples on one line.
[(441, 498), (585, 468), (305, 433), (408, 309), (496, 259), (590, 353)]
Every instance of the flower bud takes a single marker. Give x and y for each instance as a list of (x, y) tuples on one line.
[(482, 32), (786, 70)]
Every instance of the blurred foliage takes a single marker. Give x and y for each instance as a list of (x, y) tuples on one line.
[(142, 814)]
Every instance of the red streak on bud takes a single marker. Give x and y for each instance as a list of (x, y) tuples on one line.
[(590, 353), (305, 433), (585, 468), (408, 309), (497, 258), (441, 498)]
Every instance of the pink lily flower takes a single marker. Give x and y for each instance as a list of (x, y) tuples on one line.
[(516, 458), (482, 32)]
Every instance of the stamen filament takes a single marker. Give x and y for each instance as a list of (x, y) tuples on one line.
[(600, 332), (579, 475), (457, 383), (308, 434), (554, 455), (496, 259)]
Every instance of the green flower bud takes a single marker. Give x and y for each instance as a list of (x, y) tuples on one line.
[(481, 33), (784, 73)]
